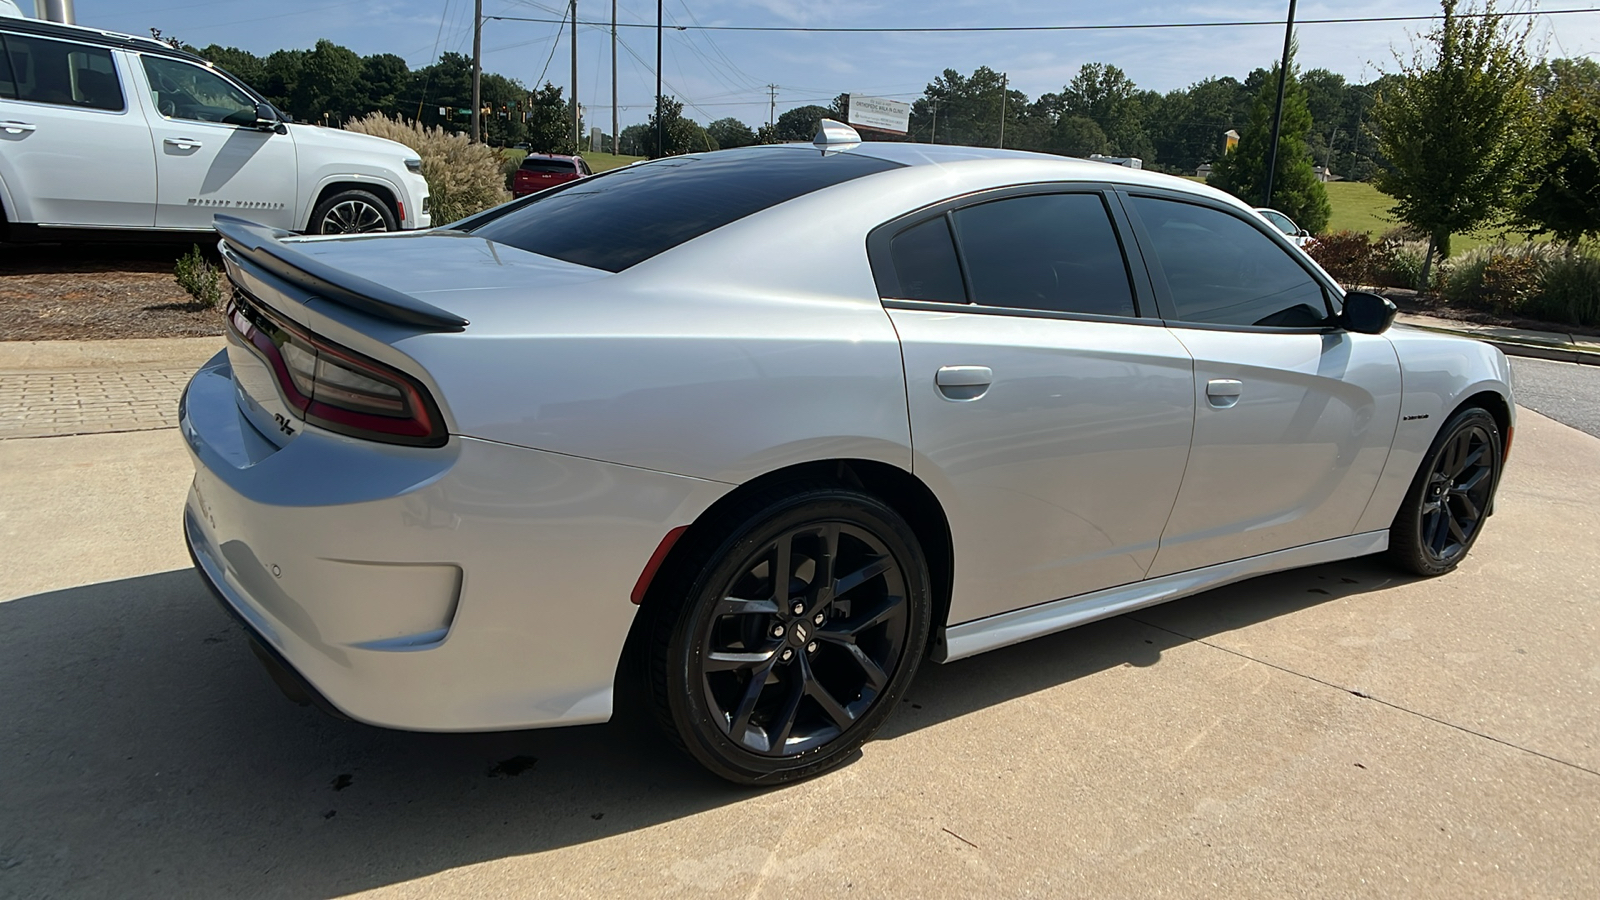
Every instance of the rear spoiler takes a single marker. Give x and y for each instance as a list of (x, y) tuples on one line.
[(261, 246)]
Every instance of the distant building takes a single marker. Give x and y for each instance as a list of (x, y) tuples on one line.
[(1204, 171), (1230, 140)]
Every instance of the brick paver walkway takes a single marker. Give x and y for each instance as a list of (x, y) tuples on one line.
[(44, 404)]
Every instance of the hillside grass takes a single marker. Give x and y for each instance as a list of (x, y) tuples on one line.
[(1360, 207)]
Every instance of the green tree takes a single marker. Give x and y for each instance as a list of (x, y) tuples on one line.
[(680, 135), (1562, 197), (1452, 126), (549, 121), (241, 64), (969, 110), (1105, 94), (327, 86), (1077, 136), (731, 132), (1295, 188), (383, 84), (800, 123)]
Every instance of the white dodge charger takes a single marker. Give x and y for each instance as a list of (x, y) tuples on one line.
[(765, 427)]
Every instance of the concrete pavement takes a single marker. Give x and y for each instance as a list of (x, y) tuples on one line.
[(1334, 731)]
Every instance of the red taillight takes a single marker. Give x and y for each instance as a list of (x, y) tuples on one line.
[(336, 388)]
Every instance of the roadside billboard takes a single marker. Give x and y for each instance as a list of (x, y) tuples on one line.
[(876, 112)]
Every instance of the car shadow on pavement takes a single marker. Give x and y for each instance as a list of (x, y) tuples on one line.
[(146, 753)]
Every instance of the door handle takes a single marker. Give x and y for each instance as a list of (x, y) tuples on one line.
[(18, 127), (963, 382), (182, 143), (1223, 392)]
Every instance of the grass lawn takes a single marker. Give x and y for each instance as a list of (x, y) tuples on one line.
[(599, 162), (1361, 207)]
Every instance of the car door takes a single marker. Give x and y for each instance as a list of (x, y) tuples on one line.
[(74, 149), (1293, 417), (210, 155), (1050, 418)]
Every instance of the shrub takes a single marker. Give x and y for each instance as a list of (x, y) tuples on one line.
[(1569, 288), (1400, 265), (463, 177), (1349, 256), (203, 281), (1501, 277), (1462, 278)]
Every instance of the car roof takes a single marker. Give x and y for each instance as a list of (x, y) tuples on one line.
[(79, 33)]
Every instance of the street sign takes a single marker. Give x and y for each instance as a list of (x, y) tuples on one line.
[(876, 112)]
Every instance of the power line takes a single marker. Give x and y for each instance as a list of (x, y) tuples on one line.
[(1125, 26)]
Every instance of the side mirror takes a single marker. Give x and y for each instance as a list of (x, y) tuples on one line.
[(1366, 313), (266, 117)]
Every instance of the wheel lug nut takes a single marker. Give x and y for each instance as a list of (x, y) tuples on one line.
[(799, 609), (811, 647), (777, 631), (787, 655), (819, 618)]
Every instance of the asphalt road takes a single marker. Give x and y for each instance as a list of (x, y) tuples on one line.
[(1566, 392)]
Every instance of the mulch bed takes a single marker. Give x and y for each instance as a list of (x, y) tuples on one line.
[(97, 292)]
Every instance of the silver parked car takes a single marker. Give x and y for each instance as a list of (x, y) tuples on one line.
[(767, 426)]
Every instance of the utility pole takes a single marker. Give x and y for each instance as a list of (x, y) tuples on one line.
[(772, 104), (615, 134), (1004, 80), (661, 147), (477, 68), (933, 133), (1277, 112), (575, 126)]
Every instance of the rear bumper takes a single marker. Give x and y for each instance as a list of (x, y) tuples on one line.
[(476, 586)]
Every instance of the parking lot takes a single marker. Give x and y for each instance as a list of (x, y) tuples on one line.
[(1334, 731)]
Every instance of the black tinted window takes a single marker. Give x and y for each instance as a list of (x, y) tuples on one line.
[(1048, 251), (623, 217), (45, 71), (925, 263), (1222, 271), (560, 166)]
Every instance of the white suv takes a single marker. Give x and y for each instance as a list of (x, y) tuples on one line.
[(105, 131)]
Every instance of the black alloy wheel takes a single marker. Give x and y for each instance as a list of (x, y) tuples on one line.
[(352, 212), (792, 644), (1450, 497)]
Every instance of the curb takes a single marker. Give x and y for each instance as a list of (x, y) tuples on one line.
[(1567, 354)]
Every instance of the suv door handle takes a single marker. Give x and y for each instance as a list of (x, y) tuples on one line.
[(182, 143), (963, 382), (1223, 392), (18, 127)]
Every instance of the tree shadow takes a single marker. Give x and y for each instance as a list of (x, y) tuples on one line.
[(146, 752)]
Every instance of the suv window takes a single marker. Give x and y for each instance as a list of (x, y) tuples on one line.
[(183, 91), (1220, 270), (925, 263), (558, 166), (1055, 252), (621, 218), (61, 73)]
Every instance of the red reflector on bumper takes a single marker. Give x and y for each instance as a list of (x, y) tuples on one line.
[(656, 559)]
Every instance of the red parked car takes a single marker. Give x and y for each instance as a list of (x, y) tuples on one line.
[(541, 170)]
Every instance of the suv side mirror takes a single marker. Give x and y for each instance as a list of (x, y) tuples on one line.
[(266, 117), (1366, 313)]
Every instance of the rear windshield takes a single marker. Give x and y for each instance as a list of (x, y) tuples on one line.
[(624, 217), (548, 165)]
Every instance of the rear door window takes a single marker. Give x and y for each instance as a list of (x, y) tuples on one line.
[(1054, 252), (61, 73), (1221, 270), (925, 263)]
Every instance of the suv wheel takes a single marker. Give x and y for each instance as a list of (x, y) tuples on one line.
[(352, 212)]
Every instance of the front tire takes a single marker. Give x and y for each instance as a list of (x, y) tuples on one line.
[(352, 212), (781, 649), (1450, 496)]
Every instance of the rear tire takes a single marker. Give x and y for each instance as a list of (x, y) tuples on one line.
[(1450, 496), (352, 212), (769, 680)]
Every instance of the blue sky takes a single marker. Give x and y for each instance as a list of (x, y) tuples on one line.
[(725, 73)]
